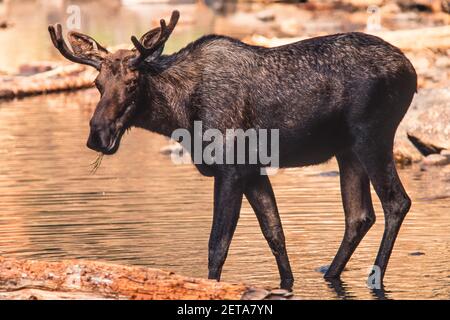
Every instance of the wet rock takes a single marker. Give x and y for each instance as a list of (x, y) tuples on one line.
[(238, 22), (402, 157), (390, 8), (265, 15), (433, 123), (442, 62), (427, 122), (422, 63), (436, 160), (279, 292), (323, 269), (445, 6), (432, 68), (291, 27), (425, 148), (420, 5), (404, 152), (446, 153), (255, 294)]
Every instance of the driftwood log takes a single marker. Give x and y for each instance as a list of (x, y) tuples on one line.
[(61, 78), (79, 279), (66, 77)]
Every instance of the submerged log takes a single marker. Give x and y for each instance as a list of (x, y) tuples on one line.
[(79, 279)]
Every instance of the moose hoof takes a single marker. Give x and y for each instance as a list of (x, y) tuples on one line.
[(287, 284)]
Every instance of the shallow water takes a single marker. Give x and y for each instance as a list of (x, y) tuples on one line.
[(140, 208)]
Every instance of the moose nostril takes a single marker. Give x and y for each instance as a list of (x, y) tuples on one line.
[(94, 142)]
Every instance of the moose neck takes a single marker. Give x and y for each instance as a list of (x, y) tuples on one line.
[(169, 87)]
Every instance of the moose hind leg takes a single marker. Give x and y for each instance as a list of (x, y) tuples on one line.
[(228, 192), (358, 208), (378, 160), (259, 193)]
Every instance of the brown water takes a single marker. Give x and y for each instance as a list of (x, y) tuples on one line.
[(140, 208)]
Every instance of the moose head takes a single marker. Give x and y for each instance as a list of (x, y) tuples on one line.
[(119, 80)]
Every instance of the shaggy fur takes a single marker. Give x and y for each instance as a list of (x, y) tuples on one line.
[(341, 95)]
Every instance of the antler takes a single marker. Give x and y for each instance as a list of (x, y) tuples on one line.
[(164, 34), (59, 43)]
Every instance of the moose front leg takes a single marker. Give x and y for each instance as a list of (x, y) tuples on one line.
[(259, 193), (228, 192)]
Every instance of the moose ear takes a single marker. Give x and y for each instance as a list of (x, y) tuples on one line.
[(149, 39), (86, 47)]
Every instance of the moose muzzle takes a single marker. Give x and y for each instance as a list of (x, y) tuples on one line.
[(104, 138)]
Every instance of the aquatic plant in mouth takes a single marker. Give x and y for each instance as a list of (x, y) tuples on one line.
[(97, 162)]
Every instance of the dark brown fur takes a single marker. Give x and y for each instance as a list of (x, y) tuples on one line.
[(341, 95)]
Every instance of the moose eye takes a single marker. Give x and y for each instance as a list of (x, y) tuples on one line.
[(130, 89)]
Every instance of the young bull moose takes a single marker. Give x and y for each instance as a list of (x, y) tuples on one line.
[(341, 95)]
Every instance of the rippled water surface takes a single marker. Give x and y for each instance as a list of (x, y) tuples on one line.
[(141, 209)]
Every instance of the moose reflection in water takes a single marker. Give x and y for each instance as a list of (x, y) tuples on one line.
[(341, 95)]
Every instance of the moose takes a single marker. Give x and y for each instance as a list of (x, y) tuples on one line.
[(340, 95)]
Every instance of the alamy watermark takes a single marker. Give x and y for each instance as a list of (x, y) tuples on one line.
[(73, 20), (234, 146), (374, 20), (374, 278)]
